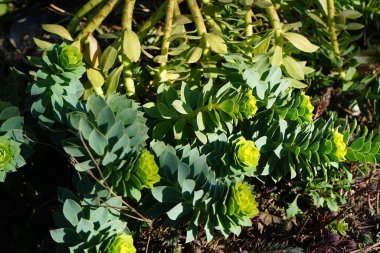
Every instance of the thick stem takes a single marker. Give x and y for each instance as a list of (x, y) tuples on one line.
[(153, 20), (197, 16), (98, 19), (167, 29), (126, 24), (89, 6), (127, 17), (276, 24), (333, 34), (248, 22)]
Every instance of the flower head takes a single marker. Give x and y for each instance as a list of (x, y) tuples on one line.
[(340, 145), (69, 57), (148, 170), (246, 153), (123, 243), (249, 107), (306, 104), (243, 201)]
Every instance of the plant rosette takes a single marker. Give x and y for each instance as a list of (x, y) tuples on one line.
[(10, 158), (242, 202), (123, 243), (147, 170), (246, 154)]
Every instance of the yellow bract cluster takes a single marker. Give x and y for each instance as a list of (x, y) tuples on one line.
[(244, 200), (148, 169), (251, 104), (122, 244), (307, 105), (70, 57), (341, 147), (6, 153), (246, 153)]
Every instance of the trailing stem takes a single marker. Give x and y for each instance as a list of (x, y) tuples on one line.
[(167, 30), (98, 19), (197, 16), (333, 34), (89, 6)]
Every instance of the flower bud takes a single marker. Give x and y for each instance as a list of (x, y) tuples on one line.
[(69, 57), (243, 201), (122, 244), (246, 153), (147, 169), (340, 145)]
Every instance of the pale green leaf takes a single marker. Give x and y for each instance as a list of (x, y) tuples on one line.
[(217, 43), (131, 46), (300, 42), (58, 30)]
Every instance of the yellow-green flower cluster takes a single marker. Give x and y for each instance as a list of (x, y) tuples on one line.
[(147, 169), (340, 145), (306, 104), (248, 105), (246, 153), (69, 57), (123, 243), (9, 151), (242, 202)]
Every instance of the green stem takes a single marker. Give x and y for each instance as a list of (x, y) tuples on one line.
[(127, 17), (126, 25), (276, 24), (153, 20), (167, 29), (212, 23), (98, 19), (197, 16), (278, 35), (248, 22), (333, 34), (90, 5)]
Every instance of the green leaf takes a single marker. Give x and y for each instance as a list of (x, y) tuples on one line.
[(332, 205), (64, 235), (181, 107), (263, 3), (108, 58), (178, 210), (166, 194), (98, 142), (300, 42), (42, 44), (354, 26), (58, 30), (293, 68), (112, 81), (227, 106), (84, 226), (131, 46), (293, 209), (217, 43), (351, 14), (277, 56), (72, 211), (297, 84), (194, 55), (358, 144)]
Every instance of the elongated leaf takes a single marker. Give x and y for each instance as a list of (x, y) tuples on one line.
[(300, 42), (58, 30), (42, 44)]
